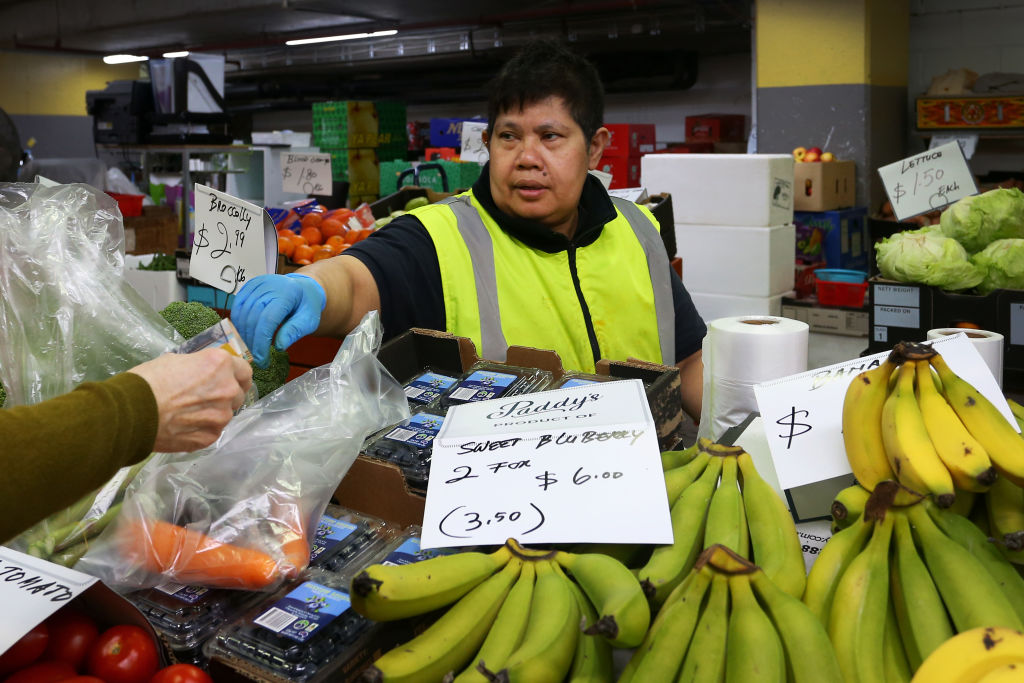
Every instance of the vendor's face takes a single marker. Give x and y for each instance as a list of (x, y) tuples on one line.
[(539, 162)]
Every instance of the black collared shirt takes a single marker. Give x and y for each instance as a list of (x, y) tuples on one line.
[(402, 259)]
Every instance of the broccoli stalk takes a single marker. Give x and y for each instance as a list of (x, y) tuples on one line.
[(191, 318)]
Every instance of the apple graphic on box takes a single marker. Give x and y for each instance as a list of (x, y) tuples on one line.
[(813, 154), (799, 153), (827, 156)]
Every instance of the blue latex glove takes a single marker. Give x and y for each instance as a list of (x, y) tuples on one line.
[(267, 301)]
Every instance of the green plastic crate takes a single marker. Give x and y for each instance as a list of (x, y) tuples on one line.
[(460, 175)]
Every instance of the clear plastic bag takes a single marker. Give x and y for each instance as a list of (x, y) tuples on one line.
[(242, 512), (67, 315)]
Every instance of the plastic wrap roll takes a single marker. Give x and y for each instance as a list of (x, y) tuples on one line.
[(988, 344), (740, 352)]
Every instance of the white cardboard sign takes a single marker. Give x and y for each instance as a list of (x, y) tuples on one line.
[(473, 147), (571, 465), (234, 241), (306, 173), (32, 589), (803, 414), (930, 180)]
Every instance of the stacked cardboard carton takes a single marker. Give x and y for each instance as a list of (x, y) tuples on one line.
[(629, 141), (733, 226)]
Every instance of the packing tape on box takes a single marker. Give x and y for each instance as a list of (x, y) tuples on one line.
[(739, 352), (988, 344)]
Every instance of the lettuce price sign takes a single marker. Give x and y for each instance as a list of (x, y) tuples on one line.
[(927, 181)]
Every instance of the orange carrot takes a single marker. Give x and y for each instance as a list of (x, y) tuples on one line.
[(192, 557), (293, 538)]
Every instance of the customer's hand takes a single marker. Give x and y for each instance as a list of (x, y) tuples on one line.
[(196, 396), (267, 301)]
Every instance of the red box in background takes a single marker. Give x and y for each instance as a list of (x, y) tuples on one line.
[(716, 127), (689, 148), (629, 139), (625, 171), (435, 153)]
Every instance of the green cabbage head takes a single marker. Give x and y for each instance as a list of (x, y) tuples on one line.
[(981, 219), (928, 257), (1002, 265)]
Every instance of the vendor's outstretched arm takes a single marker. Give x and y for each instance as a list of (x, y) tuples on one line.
[(691, 380), (351, 293)]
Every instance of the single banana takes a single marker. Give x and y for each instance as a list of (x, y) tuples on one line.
[(968, 656), (1004, 505), (963, 456), (549, 643), (705, 658), (1009, 673), (856, 624), (753, 649), (919, 612), (966, 534), (971, 594), (388, 592), (964, 502), (809, 652), (831, 564), (673, 459), (848, 505), (773, 538), (677, 479), (897, 668), (907, 444), (507, 631), (592, 661), (616, 594), (451, 640), (660, 655), (1015, 408), (726, 524), (1000, 440), (629, 554), (669, 564)]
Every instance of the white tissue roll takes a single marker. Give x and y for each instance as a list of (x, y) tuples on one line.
[(739, 352), (988, 344)]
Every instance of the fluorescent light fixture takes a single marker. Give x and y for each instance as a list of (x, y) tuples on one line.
[(172, 55), (123, 59), (347, 36)]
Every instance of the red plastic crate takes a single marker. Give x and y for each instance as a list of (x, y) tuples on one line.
[(129, 204), (835, 293)]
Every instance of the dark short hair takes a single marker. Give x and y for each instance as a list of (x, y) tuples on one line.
[(545, 68)]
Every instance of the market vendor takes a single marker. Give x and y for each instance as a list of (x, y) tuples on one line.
[(536, 254)]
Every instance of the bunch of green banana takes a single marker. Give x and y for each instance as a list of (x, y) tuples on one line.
[(727, 620), (1004, 508), (516, 614), (717, 497)]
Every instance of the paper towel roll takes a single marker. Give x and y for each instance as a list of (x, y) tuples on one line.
[(988, 344), (740, 352)]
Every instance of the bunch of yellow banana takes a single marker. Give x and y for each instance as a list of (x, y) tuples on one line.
[(728, 621), (913, 420), (717, 497), (516, 614), (982, 655), (899, 581)]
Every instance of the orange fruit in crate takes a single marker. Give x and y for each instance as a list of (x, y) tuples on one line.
[(336, 242), (303, 252), (312, 220), (323, 252), (331, 227), (302, 262), (313, 235), (285, 246)]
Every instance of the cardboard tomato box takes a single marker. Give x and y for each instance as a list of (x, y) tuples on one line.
[(823, 185), (716, 127), (625, 171), (630, 139)]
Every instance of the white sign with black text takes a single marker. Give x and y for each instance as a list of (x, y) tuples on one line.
[(234, 241), (927, 181), (572, 465), (306, 173)]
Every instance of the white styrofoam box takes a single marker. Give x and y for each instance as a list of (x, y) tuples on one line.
[(723, 189), (157, 287), (712, 306), (731, 259)]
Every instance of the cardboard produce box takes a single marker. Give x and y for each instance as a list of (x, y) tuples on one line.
[(155, 231), (355, 123), (764, 257), (630, 140), (839, 237), (823, 185), (850, 322), (716, 127)]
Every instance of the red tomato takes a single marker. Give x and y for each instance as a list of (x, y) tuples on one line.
[(25, 651), (43, 672), (82, 679), (181, 673), (124, 654), (72, 633)]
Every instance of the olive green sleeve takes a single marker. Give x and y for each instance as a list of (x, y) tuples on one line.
[(55, 452)]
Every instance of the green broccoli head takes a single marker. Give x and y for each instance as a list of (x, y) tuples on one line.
[(190, 318), (274, 375), (3, 396)]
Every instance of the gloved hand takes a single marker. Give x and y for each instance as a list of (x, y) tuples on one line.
[(267, 301)]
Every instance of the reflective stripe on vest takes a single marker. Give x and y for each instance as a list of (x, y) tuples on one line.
[(632, 313)]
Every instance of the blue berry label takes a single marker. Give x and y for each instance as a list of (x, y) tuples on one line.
[(410, 553), (329, 533), (304, 610), (419, 430), (427, 387), (577, 382), (187, 594), (482, 385)]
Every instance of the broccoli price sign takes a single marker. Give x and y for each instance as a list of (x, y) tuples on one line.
[(549, 467), (233, 241), (927, 181)]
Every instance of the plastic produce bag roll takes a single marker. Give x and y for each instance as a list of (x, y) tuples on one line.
[(740, 352), (988, 344)]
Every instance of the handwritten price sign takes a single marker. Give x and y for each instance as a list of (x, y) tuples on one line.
[(928, 181), (233, 241), (549, 468), (306, 173)]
